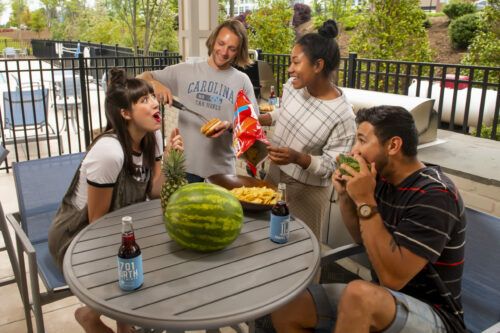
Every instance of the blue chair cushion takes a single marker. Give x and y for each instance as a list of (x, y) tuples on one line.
[(481, 279), (53, 277)]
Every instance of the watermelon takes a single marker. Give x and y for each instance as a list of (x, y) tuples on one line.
[(203, 217)]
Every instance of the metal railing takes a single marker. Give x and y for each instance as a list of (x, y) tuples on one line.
[(465, 96), (48, 48), (72, 91), (55, 106)]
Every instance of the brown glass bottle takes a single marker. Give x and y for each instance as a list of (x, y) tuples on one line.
[(130, 274), (280, 218)]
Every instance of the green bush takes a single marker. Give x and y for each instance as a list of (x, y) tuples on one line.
[(350, 22), (485, 47), (455, 9), (486, 132), (393, 30), (427, 23), (462, 30)]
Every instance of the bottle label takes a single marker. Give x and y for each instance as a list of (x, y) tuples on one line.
[(279, 228), (130, 272), (271, 101)]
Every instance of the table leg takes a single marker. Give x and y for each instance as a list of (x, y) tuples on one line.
[(251, 326)]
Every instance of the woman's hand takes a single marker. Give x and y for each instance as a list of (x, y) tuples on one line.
[(286, 155), (175, 142)]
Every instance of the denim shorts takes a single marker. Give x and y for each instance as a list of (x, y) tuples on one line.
[(412, 315)]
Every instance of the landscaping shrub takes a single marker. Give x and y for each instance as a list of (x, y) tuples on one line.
[(427, 23), (484, 49), (486, 132), (393, 30), (455, 9), (462, 30)]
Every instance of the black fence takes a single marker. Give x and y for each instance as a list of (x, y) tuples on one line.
[(465, 97), (55, 106), (49, 48), (57, 102)]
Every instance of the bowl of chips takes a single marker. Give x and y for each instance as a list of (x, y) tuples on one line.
[(254, 194)]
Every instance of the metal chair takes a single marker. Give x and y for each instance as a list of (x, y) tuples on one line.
[(26, 110), (10, 52), (41, 185), (69, 99)]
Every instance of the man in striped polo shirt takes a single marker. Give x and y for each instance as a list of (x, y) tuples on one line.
[(411, 220)]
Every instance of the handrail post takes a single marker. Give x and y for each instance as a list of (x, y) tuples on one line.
[(351, 70), (85, 108), (259, 54)]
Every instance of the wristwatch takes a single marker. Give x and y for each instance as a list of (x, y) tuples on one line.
[(365, 211)]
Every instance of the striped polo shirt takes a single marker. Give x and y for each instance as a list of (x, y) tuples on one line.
[(426, 215)]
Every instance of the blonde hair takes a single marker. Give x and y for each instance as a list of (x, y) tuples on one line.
[(242, 58)]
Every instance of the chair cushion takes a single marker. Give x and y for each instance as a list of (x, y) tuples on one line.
[(481, 282), (52, 276)]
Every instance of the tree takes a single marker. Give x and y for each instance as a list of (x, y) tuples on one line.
[(50, 10), (2, 6), (132, 12), (17, 8), (270, 27), (166, 36), (37, 21), (485, 47), (393, 30)]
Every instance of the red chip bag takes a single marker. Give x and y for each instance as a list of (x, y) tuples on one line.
[(249, 139)]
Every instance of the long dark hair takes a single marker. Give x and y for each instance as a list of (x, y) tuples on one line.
[(322, 45), (122, 93)]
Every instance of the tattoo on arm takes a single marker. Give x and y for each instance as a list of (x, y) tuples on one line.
[(393, 245)]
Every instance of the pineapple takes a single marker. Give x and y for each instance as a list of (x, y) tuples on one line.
[(174, 169)]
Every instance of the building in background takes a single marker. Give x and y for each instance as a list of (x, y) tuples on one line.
[(241, 6)]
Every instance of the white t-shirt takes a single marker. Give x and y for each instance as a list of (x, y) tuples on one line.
[(103, 164)]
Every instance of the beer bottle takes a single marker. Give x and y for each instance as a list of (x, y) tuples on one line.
[(272, 97), (129, 258), (280, 217)]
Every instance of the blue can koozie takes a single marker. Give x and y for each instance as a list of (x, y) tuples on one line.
[(130, 272), (279, 230)]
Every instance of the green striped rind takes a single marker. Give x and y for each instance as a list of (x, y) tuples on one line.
[(203, 217)]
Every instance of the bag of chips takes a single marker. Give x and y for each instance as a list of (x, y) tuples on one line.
[(249, 140)]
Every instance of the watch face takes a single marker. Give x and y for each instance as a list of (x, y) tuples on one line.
[(365, 210)]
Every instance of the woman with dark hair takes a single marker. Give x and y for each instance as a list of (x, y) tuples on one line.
[(314, 124), (121, 167)]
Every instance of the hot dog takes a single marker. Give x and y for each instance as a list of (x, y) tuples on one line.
[(209, 128)]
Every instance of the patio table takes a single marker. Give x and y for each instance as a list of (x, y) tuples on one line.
[(184, 289)]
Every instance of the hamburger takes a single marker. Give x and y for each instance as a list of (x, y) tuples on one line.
[(266, 108), (209, 128)]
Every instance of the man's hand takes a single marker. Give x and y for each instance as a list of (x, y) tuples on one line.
[(361, 185), (220, 129), (339, 182), (163, 94), (175, 142)]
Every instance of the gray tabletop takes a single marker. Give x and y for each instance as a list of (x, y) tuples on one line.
[(187, 290)]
